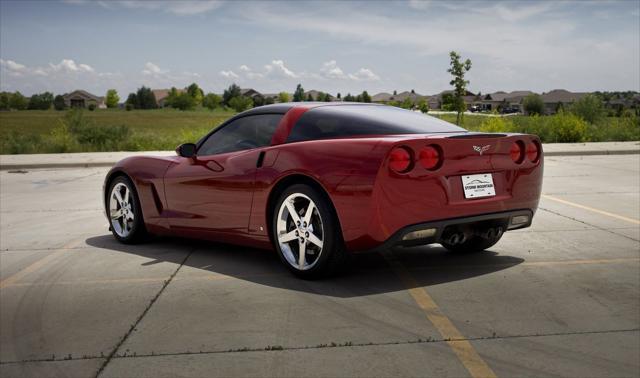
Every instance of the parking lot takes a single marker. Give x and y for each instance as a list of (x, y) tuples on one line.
[(561, 298)]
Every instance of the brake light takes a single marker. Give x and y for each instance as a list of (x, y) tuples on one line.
[(400, 159), (429, 157), (533, 152), (517, 152)]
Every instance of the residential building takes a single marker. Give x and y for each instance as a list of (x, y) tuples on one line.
[(161, 95), (82, 99)]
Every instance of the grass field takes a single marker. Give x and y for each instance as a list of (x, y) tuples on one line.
[(29, 131), (34, 131)]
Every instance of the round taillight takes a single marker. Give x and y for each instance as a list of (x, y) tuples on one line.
[(517, 152), (400, 159), (429, 157), (533, 152)]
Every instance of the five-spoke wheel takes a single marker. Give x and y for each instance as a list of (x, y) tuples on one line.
[(124, 211), (304, 232)]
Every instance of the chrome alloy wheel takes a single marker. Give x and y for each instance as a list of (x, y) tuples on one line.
[(121, 210), (300, 231)]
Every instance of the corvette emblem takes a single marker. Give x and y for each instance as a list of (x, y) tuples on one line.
[(482, 149)]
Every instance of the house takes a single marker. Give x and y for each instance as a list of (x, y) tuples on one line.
[(501, 99), (314, 95), (82, 99), (558, 99), (385, 97), (161, 95), (381, 98), (436, 101)]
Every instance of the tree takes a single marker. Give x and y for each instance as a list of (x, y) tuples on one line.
[(423, 106), (366, 97), (348, 98), (269, 100), (298, 95), (309, 97), (258, 100), (196, 93), (5, 99), (241, 103), (533, 104), (145, 98), (171, 97), (358, 98), (338, 96), (229, 93), (18, 101), (42, 101), (132, 102), (395, 93), (58, 103), (458, 70), (320, 97), (413, 91), (283, 97), (590, 108), (112, 99), (183, 101), (211, 101)]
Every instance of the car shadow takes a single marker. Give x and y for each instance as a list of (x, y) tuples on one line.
[(368, 274)]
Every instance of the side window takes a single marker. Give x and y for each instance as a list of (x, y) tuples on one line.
[(242, 134)]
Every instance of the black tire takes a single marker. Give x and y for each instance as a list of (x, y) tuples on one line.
[(473, 244), (333, 257), (138, 232)]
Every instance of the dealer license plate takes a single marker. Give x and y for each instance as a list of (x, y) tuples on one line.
[(478, 186)]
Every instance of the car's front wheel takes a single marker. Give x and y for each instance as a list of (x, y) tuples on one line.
[(125, 214), (306, 233)]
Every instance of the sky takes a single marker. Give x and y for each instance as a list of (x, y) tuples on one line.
[(377, 46)]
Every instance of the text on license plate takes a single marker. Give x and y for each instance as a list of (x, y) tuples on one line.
[(477, 186)]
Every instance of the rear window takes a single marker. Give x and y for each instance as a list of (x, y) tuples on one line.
[(341, 121)]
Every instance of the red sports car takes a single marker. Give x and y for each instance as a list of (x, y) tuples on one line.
[(320, 181)]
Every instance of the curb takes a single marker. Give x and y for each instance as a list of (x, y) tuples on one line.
[(100, 164)]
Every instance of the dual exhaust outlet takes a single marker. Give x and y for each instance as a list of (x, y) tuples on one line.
[(459, 237)]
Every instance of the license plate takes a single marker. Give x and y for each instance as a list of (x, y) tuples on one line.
[(478, 186)]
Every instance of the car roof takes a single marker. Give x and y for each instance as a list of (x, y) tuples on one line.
[(284, 107)]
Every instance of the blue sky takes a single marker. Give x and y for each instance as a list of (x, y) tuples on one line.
[(331, 46)]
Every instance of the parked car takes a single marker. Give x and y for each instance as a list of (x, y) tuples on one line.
[(318, 182)]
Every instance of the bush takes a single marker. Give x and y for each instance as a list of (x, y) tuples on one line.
[(590, 108), (565, 128), (183, 101), (211, 101), (533, 104), (91, 107), (497, 125), (240, 103), (128, 107), (58, 103)]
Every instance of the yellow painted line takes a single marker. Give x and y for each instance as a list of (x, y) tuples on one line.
[(582, 262), (463, 349), (37, 264), (602, 212)]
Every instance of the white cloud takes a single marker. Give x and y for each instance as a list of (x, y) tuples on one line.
[(69, 65), (229, 74), (278, 69), (420, 4), (331, 70), (177, 7), (245, 68), (153, 69), (364, 74)]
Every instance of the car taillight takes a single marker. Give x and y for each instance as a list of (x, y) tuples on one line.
[(400, 159), (429, 157), (517, 152), (533, 152)]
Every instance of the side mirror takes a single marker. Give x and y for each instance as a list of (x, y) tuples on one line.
[(187, 150)]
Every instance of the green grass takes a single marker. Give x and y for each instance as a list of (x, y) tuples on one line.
[(34, 131)]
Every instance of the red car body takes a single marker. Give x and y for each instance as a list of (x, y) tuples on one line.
[(229, 197)]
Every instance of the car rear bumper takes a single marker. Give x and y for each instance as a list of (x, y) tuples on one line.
[(434, 231)]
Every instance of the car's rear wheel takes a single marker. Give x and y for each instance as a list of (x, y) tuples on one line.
[(306, 233), (473, 244), (125, 214)]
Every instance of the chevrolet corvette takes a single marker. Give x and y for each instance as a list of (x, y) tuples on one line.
[(319, 182)]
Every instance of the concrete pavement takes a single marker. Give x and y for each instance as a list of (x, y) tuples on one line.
[(560, 298), (108, 159)]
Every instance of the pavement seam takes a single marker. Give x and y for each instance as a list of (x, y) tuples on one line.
[(588, 224), (278, 348), (141, 316)]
